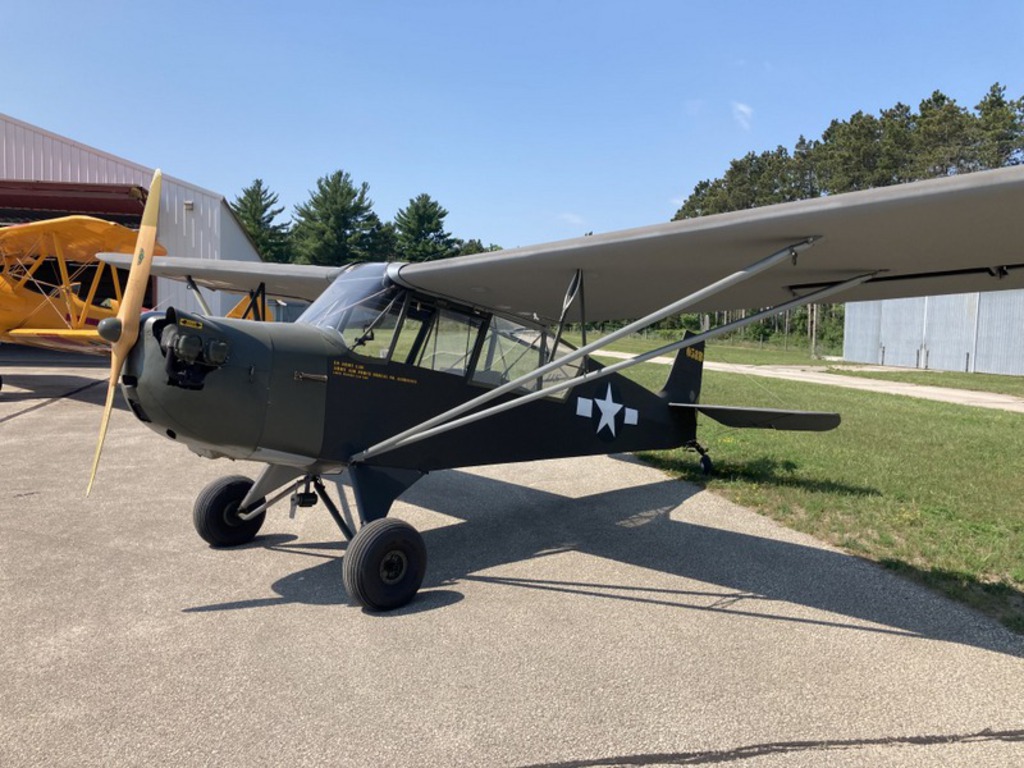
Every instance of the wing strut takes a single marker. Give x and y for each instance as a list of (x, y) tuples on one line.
[(433, 426), (191, 285), (789, 252), (442, 423), (574, 290)]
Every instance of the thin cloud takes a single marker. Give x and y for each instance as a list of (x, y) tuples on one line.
[(572, 219), (743, 114)]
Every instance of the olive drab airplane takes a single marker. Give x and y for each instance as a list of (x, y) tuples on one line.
[(396, 370)]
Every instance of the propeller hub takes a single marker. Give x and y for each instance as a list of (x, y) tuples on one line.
[(110, 328)]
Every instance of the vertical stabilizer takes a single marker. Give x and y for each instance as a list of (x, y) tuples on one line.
[(683, 385)]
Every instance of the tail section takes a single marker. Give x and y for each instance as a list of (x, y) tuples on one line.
[(682, 391), (683, 385)]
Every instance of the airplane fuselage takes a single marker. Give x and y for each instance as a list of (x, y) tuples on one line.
[(312, 396)]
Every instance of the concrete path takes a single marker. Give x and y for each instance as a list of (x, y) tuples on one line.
[(585, 612)]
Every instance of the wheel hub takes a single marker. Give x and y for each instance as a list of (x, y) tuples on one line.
[(393, 567)]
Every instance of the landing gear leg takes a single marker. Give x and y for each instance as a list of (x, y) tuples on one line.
[(386, 559)]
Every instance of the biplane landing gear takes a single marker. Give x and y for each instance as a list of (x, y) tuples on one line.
[(384, 564), (215, 514)]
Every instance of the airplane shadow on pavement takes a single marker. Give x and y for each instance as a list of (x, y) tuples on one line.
[(736, 573)]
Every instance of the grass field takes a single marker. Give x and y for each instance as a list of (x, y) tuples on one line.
[(931, 490)]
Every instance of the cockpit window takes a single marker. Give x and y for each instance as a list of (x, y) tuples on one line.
[(446, 340), (379, 320), (511, 350), (361, 304)]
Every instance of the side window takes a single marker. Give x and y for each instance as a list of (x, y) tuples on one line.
[(438, 339), (449, 342), (511, 350)]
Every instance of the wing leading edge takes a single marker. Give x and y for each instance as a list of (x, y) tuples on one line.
[(285, 281), (950, 235)]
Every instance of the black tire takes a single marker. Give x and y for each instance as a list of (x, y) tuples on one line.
[(215, 514), (705, 464), (384, 565)]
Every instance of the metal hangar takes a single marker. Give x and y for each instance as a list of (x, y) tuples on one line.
[(43, 175)]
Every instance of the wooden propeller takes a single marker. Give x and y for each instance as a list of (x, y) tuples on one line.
[(122, 331)]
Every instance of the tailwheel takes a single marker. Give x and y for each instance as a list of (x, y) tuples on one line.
[(216, 513), (384, 564), (706, 465)]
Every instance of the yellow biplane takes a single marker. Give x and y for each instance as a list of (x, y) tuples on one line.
[(53, 289)]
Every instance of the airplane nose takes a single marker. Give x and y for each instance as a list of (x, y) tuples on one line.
[(201, 381), (235, 388)]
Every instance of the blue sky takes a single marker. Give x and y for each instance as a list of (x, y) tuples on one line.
[(529, 121)]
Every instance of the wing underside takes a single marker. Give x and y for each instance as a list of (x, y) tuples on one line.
[(284, 281)]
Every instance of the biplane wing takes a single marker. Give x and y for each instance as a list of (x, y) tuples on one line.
[(53, 290), (953, 235)]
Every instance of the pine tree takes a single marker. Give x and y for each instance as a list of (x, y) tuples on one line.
[(255, 208), (337, 225), (420, 233)]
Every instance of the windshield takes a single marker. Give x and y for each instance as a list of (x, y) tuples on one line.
[(354, 303)]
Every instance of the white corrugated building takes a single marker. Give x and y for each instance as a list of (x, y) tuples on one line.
[(974, 332), (194, 222)]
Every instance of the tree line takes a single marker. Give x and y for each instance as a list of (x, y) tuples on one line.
[(337, 225), (899, 145)]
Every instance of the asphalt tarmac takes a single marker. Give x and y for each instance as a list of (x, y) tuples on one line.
[(575, 613)]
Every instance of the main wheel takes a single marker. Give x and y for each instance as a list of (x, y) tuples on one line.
[(384, 564), (215, 514), (706, 466)]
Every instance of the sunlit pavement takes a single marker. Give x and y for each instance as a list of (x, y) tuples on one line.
[(575, 613)]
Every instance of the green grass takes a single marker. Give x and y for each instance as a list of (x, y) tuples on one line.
[(717, 351), (928, 489)]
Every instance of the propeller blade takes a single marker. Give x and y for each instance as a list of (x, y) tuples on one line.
[(124, 331)]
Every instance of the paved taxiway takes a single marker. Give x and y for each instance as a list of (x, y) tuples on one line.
[(575, 613)]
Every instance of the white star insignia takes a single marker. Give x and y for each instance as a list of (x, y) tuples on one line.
[(608, 408)]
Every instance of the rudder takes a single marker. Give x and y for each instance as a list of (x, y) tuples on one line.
[(684, 380)]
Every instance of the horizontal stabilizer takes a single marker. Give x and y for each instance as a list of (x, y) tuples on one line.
[(766, 418)]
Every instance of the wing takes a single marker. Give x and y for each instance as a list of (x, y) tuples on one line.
[(285, 281), (84, 340), (78, 238), (56, 306), (953, 235)]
